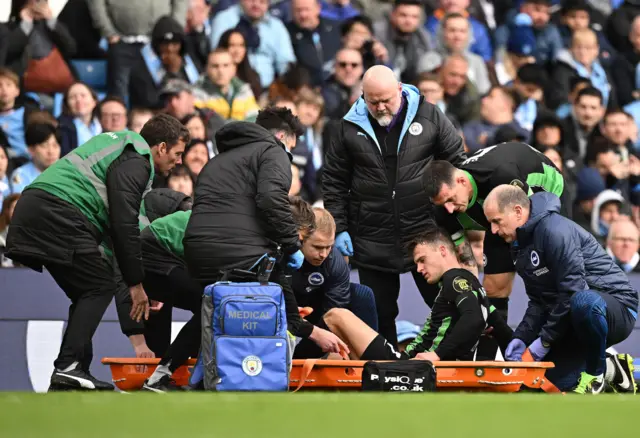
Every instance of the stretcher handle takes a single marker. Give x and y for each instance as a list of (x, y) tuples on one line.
[(307, 367), (547, 386)]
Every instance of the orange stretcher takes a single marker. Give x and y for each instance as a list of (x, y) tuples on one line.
[(346, 375)]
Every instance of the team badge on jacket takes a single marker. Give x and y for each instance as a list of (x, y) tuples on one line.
[(316, 279), (415, 128)]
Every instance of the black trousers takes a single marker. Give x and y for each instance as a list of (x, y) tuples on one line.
[(120, 57), (90, 286), (386, 290), (179, 290)]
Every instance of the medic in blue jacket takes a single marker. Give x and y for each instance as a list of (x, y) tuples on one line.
[(580, 302)]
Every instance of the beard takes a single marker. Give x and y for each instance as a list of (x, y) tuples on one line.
[(383, 120)]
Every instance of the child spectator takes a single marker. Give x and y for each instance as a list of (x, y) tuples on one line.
[(181, 180), (78, 122), (138, 117), (534, 13), (576, 15), (580, 60), (44, 150), (13, 116), (221, 91)]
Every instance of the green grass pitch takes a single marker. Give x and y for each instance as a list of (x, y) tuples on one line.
[(310, 415)]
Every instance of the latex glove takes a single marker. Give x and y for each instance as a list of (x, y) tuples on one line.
[(295, 260), (344, 245), (515, 350), (538, 351)]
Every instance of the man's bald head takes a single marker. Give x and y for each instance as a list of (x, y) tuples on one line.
[(506, 208), (382, 93), (506, 196)]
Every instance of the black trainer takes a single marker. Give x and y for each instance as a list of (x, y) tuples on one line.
[(162, 385), (77, 380)]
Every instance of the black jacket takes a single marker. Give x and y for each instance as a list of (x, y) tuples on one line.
[(619, 25), (314, 53), (241, 211), (241, 206), (158, 203), (35, 246), (623, 73), (381, 219)]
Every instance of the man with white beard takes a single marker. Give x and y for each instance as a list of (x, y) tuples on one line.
[(372, 185)]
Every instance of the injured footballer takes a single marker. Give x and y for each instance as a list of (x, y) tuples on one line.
[(460, 314)]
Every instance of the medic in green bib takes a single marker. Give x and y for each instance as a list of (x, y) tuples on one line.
[(61, 219), (461, 192)]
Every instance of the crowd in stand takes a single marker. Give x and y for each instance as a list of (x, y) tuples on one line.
[(563, 76)]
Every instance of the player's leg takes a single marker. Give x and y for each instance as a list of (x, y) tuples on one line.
[(186, 293), (363, 304), (90, 286), (386, 289), (499, 272), (600, 320), (363, 342)]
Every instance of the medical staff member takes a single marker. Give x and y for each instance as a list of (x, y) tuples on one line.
[(580, 302), (64, 215)]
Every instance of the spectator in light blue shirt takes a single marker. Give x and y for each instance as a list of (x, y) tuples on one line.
[(267, 39), (44, 149)]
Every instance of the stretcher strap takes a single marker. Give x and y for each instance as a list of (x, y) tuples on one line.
[(547, 386), (304, 373)]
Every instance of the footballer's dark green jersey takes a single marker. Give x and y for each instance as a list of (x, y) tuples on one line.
[(512, 163), (460, 314)]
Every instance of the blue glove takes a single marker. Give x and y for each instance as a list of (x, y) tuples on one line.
[(515, 350), (295, 260), (344, 245), (538, 351)]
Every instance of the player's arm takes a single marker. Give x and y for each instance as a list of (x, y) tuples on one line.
[(272, 199), (127, 179), (466, 257), (470, 323), (501, 331), (464, 251), (565, 262), (337, 292), (534, 318)]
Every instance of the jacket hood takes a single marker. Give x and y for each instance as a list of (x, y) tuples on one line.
[(542, 205), (162, 202), (167, 29), (236, 134), (602, 198)]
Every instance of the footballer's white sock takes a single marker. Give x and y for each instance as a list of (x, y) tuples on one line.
[(610, 370), (161, 370), (69, 368)]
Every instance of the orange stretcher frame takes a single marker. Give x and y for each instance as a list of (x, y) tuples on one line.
[(331, 375)]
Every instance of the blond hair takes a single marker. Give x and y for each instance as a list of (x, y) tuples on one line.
[(324, 221)]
